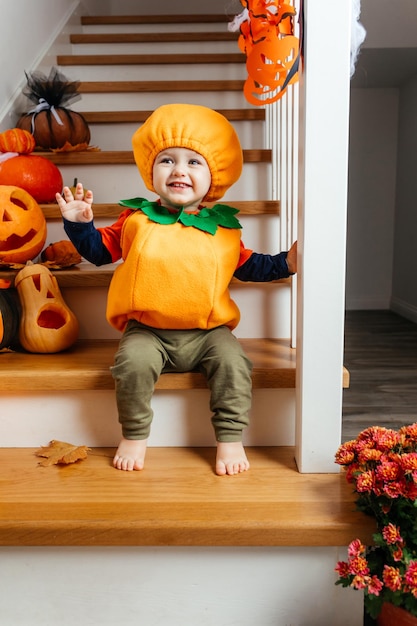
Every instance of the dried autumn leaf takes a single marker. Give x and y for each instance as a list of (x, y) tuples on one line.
[(60, 452)]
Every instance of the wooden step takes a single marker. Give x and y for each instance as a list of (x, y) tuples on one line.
[(125, 157), (86, 275), (113, 210), (149, 59), (207, 18), (85, 366), (114, 38), (120, 117), (134, 86), (177, 500)]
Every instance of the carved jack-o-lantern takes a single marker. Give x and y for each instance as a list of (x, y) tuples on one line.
[(22, 225), (47, 325)]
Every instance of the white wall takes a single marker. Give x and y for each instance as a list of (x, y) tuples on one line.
[(37, 24), (371, 197), (404, 292), (381, 195)]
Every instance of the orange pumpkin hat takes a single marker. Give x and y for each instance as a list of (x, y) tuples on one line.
[(197, 128)]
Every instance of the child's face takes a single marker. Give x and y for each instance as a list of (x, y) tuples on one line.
[(181, 178)]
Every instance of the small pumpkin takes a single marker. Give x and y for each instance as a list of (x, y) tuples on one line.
[(9, 318), (47, 325), (62, 253), (22, 225), (17, 140), (34, 173), (52, 124)]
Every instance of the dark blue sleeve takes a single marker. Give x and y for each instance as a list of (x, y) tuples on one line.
[(262, 268), (87, 239)]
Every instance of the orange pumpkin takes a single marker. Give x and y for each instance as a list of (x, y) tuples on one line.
[(17, 140), (47, 325), (22, 225), (34, 173)]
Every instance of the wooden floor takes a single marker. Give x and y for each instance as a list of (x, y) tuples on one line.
[(381, 355)]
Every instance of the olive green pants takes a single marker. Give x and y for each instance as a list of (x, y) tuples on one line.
[(144, 353)]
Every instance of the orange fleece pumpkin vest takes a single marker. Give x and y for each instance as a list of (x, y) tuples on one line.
[(174, 276)]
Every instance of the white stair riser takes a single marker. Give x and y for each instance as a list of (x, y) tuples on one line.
[(188, 71), (111, 183), (181, 418), (161, 47), (259, 306), (119, 136), (144, 100)]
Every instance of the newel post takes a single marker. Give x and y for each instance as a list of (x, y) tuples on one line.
[(323, 169)]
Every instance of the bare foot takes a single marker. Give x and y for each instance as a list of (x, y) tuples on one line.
[(231, 458), (130, 454)]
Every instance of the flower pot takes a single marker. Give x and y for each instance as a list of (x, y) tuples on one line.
[(395, 616)]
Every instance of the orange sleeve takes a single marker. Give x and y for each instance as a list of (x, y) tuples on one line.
[(245, 253), (111, 235)]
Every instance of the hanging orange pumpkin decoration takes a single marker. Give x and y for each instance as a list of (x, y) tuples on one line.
[(22, 225), (17, 140), (272, 50), (47, 325), (52, 124)]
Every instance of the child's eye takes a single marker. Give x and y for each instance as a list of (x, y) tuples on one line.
[(194, 162), (166, 160)]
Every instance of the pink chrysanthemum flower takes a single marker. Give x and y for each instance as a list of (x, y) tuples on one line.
[(409, 462), (369, 454), (360, 581), (356, 548), (410, 575), (387, 471), (395, 489), (358, 566), (342, 568), (345, 454), (391, 534), (375, 586), (392, 577), (409, 432), (365, 482)]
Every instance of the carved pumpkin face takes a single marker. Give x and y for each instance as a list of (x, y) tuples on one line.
[(22, 225), (47, 325)]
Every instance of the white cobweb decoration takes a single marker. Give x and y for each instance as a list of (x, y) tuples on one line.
[(357, 36)]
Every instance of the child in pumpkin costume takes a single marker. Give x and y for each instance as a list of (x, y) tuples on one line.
[(169, 297)]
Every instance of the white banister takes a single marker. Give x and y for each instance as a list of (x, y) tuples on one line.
[(323, 161)]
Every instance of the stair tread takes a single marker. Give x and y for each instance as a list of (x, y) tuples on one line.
[(135, 86), (85, 366), (177, 500), (95, 38), (149, 59), (87, 275), (125, 157), (113, 210), (99, 117)]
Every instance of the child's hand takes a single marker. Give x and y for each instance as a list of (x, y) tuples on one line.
[(77, 207), (292, 259)]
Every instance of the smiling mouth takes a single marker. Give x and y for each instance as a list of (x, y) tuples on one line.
[(179, 186)]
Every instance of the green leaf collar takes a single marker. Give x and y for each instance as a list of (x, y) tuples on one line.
[(206, 219)]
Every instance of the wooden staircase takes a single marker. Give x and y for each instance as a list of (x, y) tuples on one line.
[(177, 501)]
